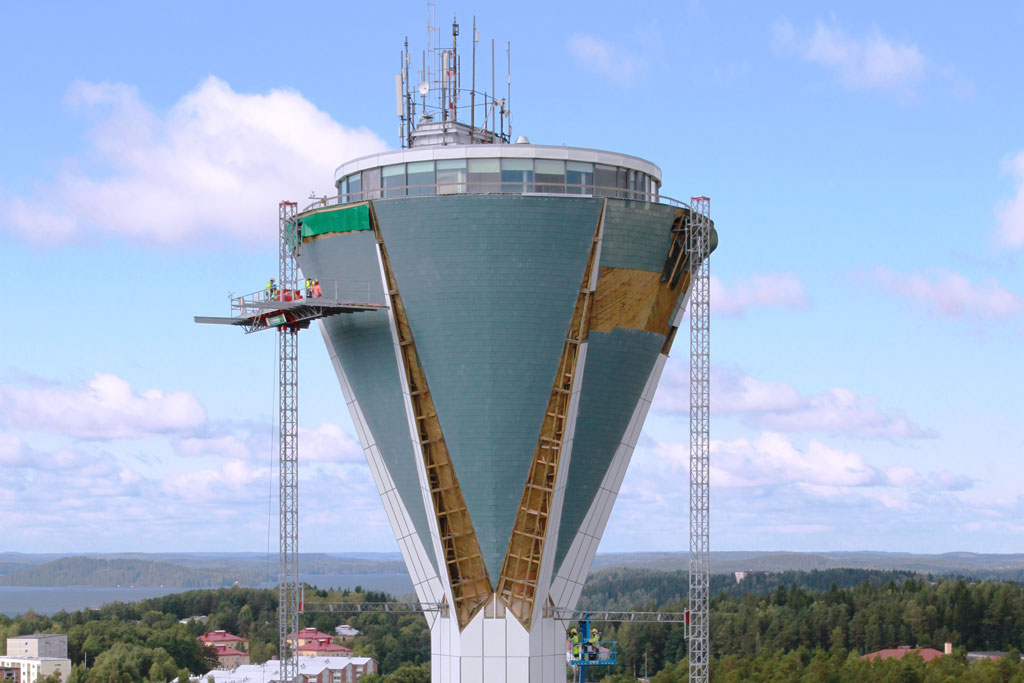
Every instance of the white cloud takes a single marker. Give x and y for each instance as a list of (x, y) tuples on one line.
[(840, 411), (773, 460), (114, 498), (105, 408), (950, 481), (952, 294), (329, 443), (232, 477), (228, 446), (775, 491), (901, 475), (781, 290), (12, 450), (213, 167), (617, 65), (1010, 212), (871, 61), (780, 407)]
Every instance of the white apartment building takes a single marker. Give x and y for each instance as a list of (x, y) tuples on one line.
[(33, 668), (39, 645)]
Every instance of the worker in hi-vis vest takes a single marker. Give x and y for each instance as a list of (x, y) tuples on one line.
[(271, 289), (593, 642), (574, 638)]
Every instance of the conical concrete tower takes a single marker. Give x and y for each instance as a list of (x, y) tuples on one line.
[(532, 295), (500, 396)]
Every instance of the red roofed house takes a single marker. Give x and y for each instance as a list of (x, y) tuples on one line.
[(323, 647), (232, 650), (308, 635), (925, 653)]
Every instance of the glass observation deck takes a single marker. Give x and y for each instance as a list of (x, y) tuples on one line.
[(498, 169)]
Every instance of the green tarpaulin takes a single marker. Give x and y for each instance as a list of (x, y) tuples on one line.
[(344, 219)]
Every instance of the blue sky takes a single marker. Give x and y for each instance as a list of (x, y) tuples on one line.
[(866, 168)]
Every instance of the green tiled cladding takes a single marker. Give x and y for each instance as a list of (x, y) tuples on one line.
[(489, 284), (616, 371), (636, 235), (366, 350)]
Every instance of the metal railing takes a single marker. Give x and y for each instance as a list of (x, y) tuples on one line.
[(607, 654), (564, 614), (344, 291), (502, 187), (377, 607)]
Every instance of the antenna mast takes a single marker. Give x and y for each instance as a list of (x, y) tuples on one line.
[(508, 98), (472, 87)]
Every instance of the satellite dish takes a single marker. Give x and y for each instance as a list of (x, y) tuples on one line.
[(424, 88)]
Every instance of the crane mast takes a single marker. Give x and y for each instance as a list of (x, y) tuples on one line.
[(288, 450), (699, 249)]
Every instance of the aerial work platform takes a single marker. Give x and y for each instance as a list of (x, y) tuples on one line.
[(267, 309)]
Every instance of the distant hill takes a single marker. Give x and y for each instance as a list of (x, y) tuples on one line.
[(624, 588), (210, 570), (88, 571), (1010, 566), (178, 571)]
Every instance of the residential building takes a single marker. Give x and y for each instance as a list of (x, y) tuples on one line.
[(979, 656), (230, 658), (39, 645), (232, 651), (30, 669), (10, 673), (215, 638), (323, 647), (200, 618), (311, 670), (308, 635), (344, 632)]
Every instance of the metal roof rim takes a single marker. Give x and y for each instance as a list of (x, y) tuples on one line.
[(499, 151)]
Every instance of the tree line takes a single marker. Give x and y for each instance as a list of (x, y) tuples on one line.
[(143, 642), (831, 627), (794, 626)]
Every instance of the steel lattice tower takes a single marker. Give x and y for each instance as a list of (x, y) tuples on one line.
[(699, 249), (288, 451)]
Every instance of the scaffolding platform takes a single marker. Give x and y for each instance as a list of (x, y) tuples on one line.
[(264, 310)]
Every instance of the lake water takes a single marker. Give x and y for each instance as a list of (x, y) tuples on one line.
[(50, 599)]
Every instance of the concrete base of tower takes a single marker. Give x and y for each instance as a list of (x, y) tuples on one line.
[(495, 648)]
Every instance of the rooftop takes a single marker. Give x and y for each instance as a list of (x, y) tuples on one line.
[(219, 637), (269, 672), (925, 653)]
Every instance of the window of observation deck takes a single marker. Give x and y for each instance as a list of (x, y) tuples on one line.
[(497, 175)]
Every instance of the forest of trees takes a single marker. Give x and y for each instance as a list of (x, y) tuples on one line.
[(753, 630), (143, 642), (794, 626), (90, 571)]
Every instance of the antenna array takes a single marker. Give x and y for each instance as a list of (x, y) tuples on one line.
[(439, 94)]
